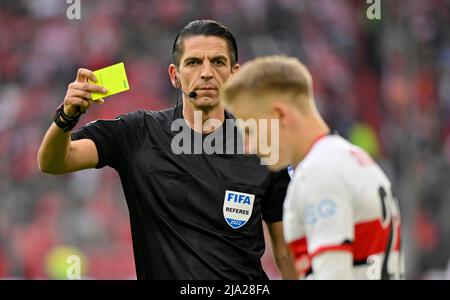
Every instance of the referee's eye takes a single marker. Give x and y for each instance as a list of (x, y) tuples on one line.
[(192, 62), (219, 62)]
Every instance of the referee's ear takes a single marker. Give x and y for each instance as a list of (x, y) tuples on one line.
[(173, 73), (235, 68)]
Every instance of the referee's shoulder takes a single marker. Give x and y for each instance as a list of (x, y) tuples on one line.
[(158, 114), (162, 117), (132, 116), (142, 118), (142, 114)]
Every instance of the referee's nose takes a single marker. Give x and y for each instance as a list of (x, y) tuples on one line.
[(206, 71)]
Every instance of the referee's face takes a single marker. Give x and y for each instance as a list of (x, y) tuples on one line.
[(204, 67)]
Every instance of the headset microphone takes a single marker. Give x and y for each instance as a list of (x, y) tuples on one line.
[(192, 95)]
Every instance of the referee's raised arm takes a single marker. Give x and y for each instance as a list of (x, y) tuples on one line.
[(58, 154)]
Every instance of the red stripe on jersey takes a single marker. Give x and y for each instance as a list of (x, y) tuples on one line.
[(299, 247), (302, 260), (398, 240), (370, 238), (343, 247)]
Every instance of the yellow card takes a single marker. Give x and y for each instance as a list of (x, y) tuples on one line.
[(113, 78)]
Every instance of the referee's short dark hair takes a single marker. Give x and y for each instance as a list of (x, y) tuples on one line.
[(206, 28)]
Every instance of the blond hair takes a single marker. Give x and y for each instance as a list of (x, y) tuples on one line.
[(271, 74)]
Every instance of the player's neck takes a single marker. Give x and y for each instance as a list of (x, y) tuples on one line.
[(310, 136), (203, 119)]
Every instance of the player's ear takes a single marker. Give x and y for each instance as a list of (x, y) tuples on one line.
[(279, 110), (173, 73)]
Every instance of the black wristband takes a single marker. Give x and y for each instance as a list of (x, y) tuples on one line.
[(67, 123)]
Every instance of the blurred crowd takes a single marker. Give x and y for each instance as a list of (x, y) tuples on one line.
[(384, 84)]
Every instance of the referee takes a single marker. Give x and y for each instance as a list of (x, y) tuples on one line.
[(179, 204)]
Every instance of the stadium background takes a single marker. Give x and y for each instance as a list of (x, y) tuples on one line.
[(384, 84)]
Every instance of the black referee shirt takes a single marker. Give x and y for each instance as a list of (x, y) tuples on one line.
[(178, 203)]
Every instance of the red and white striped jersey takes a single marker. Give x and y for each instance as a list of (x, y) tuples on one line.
[(340, 199)]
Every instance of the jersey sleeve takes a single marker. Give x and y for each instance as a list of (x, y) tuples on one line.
[(114, 139), (272, 204), (328, 212)]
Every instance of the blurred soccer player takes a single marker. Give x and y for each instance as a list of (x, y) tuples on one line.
[(193, 216), (340, 217)]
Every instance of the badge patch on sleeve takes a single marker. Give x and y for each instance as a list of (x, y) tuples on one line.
[(237, 208)]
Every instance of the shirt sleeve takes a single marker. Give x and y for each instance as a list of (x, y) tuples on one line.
[(114, 139), (272, 204), (328, 212)]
